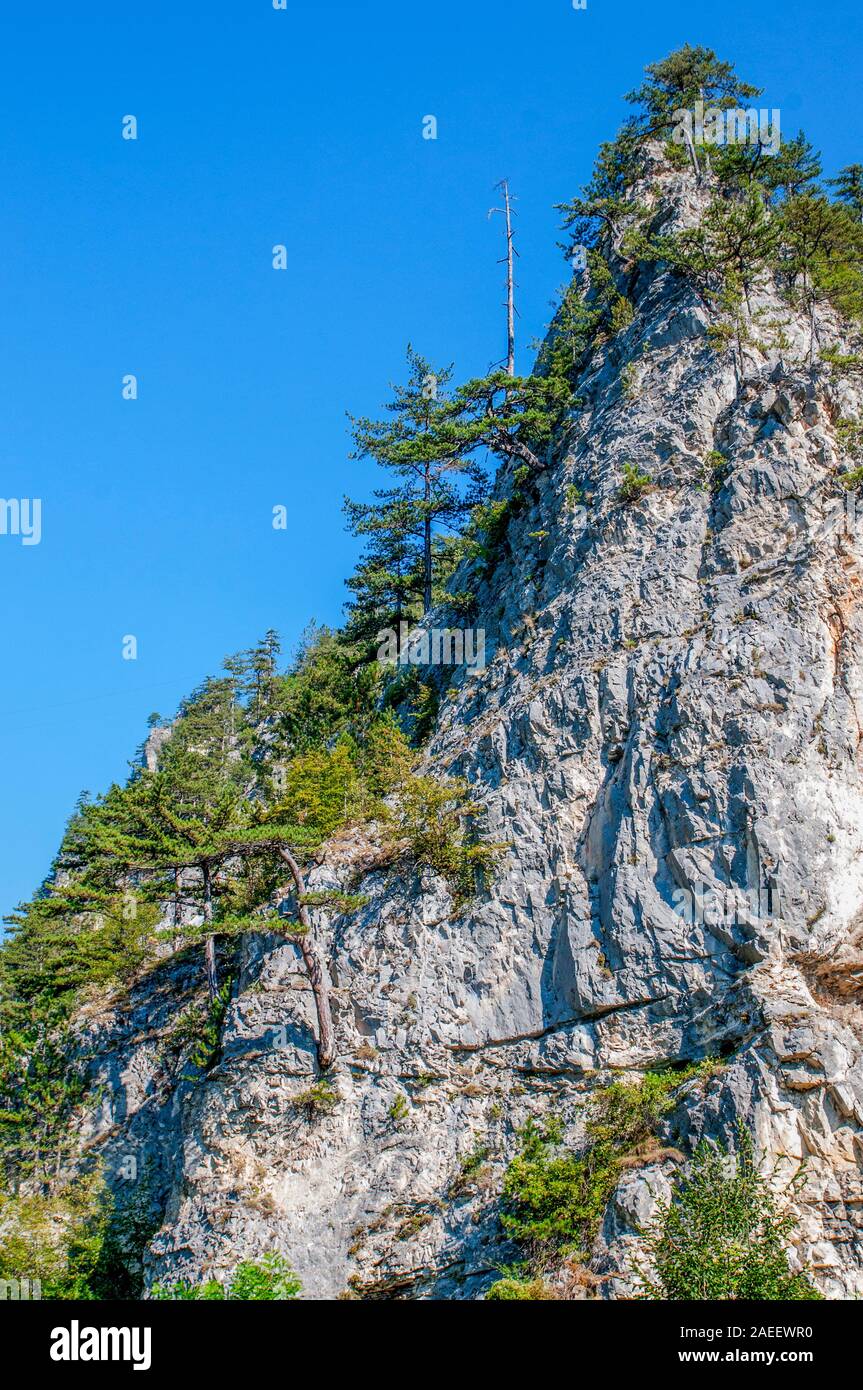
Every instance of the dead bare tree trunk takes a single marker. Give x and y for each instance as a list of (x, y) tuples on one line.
[(508, 259), (314, 969)]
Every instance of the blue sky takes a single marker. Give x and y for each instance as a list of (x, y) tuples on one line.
[(153, 257)]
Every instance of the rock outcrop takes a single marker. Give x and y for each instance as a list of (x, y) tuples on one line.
[(667, 736)]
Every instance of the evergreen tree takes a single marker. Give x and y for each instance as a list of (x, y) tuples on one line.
[(689, 74), (388, 584), (512, 417), (794, 170), (675, 84), (821, 256), (602, 202), (419, 446), (254, 675), (849, 188), (330, 689)]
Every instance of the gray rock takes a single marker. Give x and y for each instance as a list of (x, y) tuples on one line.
[(667, 735)]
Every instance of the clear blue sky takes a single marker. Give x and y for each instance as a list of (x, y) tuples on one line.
[(257, 127)]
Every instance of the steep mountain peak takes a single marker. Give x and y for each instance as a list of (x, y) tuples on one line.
[(663, 744)]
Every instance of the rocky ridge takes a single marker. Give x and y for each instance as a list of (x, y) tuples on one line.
[(667, 737)]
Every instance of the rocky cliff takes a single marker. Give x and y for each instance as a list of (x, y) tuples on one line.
[(666, 736)]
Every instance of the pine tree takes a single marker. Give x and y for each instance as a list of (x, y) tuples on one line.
[(418, 444), (388, 583), (849, 188), (796, 168), (331, 688), (514, 418), (821, 256), (687, 75)]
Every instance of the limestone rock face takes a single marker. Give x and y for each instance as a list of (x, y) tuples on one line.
[(667, 737)]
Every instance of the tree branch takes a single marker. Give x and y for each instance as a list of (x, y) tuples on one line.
[(314, 969)]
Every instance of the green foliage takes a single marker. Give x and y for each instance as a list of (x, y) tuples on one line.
[(42, 1086), (388, 585), (622, 314), (629, 381), (849, 188), (813, 246), (436, 822), (678, 81), (794, 170), (54, 1237), (331, 689), (400, 1109), (130, 1220), (554, 1198), (821, 254), (67, 938), (574, 496), (78, 1240), (723, 1235), (432, 445), (471, 1166), (603, 203), (342, 903), (849, 437), (437, 484), (729, 249), (576, 325), (269, 1279), (418, 700), (462, 603), (208, 1044), (488, 528), (635, 483), (319, 791), (512, 417), (321, 1098), (745, 168), (517, 1286), (424, 711), (842, 362)]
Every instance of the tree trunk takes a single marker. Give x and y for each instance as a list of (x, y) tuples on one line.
[(176, 913), (427, 547), (510, 288), (707, 165), (519, 450), (210, 947), (811, 329), (314, 969), (692, 155), (509, 258)]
